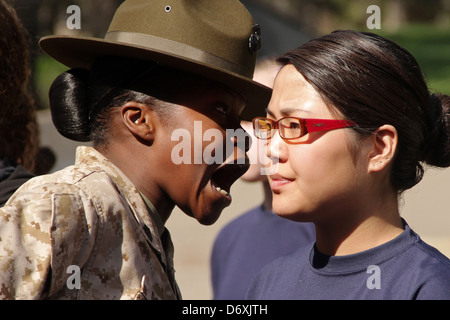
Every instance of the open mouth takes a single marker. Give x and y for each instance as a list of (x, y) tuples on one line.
[(223, 178)]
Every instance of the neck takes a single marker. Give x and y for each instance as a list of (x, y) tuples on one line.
[(359, 232), (267, 204), (138, 174)]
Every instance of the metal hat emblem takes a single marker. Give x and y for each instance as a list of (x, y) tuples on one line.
[(254, 41)]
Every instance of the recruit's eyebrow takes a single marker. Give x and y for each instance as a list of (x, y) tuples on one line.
[(287, 111)]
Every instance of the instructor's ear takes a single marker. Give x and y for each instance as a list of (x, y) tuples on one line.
[(384, 141), (138, 119)]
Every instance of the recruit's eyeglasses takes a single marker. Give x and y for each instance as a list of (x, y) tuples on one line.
[(293, 128)]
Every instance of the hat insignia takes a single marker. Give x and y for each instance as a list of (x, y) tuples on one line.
[(254, 41)]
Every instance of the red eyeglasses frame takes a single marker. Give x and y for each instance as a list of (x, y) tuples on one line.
[(307, 125)]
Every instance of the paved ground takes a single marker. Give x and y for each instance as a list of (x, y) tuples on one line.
[(426, 208)]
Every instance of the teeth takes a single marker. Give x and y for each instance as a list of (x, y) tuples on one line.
[(222, 191)]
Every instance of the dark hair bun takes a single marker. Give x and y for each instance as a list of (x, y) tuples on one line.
[(68, 104), (438, 144)]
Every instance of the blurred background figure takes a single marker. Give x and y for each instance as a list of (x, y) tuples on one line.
[(18, 127), (258, 236), (20, 155)]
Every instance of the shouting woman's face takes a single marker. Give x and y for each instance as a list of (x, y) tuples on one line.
[(202, 159)]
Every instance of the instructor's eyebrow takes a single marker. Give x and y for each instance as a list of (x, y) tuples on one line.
[(270, 113)]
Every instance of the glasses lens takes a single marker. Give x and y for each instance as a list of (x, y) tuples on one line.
[(290, 128), (263, 128)]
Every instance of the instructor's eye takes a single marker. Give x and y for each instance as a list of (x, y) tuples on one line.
[(222, 108)]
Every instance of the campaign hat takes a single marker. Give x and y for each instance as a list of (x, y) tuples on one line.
[(216, 39)]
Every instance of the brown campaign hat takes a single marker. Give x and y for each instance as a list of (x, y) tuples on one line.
[(216, 39)]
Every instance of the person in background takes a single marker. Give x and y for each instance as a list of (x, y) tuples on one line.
[(349, 126), (258, 236), (18, 128), (96, 230)]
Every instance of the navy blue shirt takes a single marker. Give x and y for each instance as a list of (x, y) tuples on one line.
[(249, 242), (404, 268), (12, 176)]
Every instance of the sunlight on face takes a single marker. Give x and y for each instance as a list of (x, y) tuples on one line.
[(318, 174)]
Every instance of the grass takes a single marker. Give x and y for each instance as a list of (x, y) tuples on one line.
[(431, 48), (45, 72)]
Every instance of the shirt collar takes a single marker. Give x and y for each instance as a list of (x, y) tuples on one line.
[(154, 214), (326, 264)]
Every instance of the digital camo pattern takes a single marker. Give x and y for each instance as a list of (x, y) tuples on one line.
[(87, 215)]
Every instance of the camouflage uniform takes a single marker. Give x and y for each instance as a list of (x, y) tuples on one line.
[(90, 216)]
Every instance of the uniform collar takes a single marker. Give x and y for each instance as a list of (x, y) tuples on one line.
[(154, 214), (144, 214)]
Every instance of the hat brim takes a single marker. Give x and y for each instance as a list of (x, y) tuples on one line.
[(80, 52)]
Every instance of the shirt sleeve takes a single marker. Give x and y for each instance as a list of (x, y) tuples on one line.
[(42, 232)]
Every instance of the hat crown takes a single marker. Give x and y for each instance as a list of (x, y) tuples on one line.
[(214, 39), (218, 27)]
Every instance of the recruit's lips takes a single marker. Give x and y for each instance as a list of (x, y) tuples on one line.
[(277, 182)]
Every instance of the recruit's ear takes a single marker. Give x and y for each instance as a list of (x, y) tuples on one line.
[(138, 119), (384, 142)]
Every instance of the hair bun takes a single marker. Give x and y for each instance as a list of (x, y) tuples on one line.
[(437, 146), (68, 104)]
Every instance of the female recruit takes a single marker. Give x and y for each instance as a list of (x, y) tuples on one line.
[(349, 126)]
